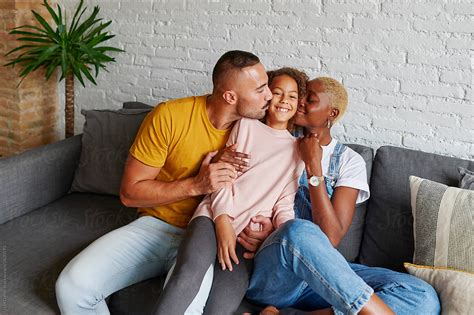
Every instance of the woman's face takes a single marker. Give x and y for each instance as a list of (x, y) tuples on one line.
[(314, 109), (284, 103)]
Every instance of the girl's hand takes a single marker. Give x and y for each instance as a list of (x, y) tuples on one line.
[(226, 242), (311, 153), (230, 155)]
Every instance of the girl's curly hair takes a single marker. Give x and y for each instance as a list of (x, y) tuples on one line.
[(299, 76)]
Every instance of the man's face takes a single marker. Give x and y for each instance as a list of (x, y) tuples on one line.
[(252, 92), (314, 109)]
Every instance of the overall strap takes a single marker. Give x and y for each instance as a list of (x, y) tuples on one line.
[(335, 161)]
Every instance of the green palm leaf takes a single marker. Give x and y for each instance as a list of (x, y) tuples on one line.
[(73, 49)]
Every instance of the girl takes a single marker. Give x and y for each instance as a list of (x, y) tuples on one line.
[(267, 188)]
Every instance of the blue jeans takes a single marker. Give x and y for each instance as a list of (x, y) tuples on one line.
[(300, 250), (143, 249)]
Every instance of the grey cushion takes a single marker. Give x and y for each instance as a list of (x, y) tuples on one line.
[(38, 245), (443, 225), (350, 244), (136, 105), (108, 135), (466, 178), (388, 232), (37, 177)]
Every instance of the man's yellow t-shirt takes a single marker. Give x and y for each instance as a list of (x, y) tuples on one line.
[(176, 136)]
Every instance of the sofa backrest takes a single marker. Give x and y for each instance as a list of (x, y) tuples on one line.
[(37, 177), (388, 233), (350, 244)]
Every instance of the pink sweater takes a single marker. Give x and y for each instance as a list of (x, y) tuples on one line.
[(268, 187)]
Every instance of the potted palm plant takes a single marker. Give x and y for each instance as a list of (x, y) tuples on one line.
[(75, 48)]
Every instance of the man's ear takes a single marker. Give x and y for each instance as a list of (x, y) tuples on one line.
[(230, 97), (334, 114)]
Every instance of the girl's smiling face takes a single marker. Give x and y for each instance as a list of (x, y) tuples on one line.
[(284, 102)]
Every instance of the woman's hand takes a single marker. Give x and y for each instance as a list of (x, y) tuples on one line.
[(311, 153), (226, 242)]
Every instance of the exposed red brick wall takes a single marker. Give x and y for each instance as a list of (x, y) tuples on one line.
[(28, 113)]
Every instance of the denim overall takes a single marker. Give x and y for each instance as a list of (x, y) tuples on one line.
[(302, 201)]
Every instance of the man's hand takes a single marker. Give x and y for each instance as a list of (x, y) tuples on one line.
[(239, 160), (251, 240), (212, 177), (226, 242)]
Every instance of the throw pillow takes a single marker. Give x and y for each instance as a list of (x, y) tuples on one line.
[(106, 139), (455, 288), (443, 225), (466, 178)]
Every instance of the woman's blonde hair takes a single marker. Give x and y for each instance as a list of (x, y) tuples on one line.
[(337, 95)]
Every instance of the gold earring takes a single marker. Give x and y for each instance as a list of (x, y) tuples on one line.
[(329, 124)]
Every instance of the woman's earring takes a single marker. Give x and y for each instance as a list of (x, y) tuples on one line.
[(329, 123)]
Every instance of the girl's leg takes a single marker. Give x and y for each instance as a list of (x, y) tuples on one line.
[(229, 287), (196, 254)]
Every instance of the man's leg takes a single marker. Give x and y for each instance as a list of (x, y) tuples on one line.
[(196, 254), (403, 293), (228, 287), (140, 250), (300, 250)]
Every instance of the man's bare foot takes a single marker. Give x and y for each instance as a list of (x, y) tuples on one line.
[(270, 310)]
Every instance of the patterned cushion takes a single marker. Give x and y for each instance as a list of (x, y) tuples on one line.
[(466, 178), (443, 225)]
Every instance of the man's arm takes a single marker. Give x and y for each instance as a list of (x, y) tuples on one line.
[(140, 188)]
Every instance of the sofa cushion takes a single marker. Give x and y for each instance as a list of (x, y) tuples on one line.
[(38, 245), (350, 244), (108, 135), (388, 233), (443, 226), (466, 178), (136, 105), (454, 287)]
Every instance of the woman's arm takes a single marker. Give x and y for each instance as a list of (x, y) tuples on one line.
[(334, 216)]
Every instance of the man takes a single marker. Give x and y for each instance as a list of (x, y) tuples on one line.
[(298, 265), (167, 172)]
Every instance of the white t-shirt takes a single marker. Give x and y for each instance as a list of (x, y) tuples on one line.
[(352, 170)]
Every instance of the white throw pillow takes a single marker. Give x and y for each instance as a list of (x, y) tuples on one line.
[(455, 288)]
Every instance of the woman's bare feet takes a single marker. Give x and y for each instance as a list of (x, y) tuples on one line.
[(270, 310)]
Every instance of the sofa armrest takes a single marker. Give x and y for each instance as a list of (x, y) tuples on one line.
[(37, 177)]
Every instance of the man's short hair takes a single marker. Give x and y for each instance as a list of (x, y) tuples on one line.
[(232, 60), (337, 94)]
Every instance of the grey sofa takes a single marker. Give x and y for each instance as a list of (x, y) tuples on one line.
[(43, 225)]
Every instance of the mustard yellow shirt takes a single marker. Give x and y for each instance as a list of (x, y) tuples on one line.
[(176, 136)]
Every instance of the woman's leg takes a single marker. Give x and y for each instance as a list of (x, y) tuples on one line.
[(196, 254), (140, 250), (403, 293), (300, 250), (229, 287)]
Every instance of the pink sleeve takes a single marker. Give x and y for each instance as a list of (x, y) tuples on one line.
[(222, 201), (283, 209)]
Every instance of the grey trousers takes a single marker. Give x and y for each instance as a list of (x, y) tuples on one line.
[(197, 252)]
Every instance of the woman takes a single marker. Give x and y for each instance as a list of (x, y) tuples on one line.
[(297, 265)]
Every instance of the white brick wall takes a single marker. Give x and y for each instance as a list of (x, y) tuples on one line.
[(408, 65)]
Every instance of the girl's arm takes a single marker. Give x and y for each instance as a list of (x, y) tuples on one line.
[(283, 209)]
